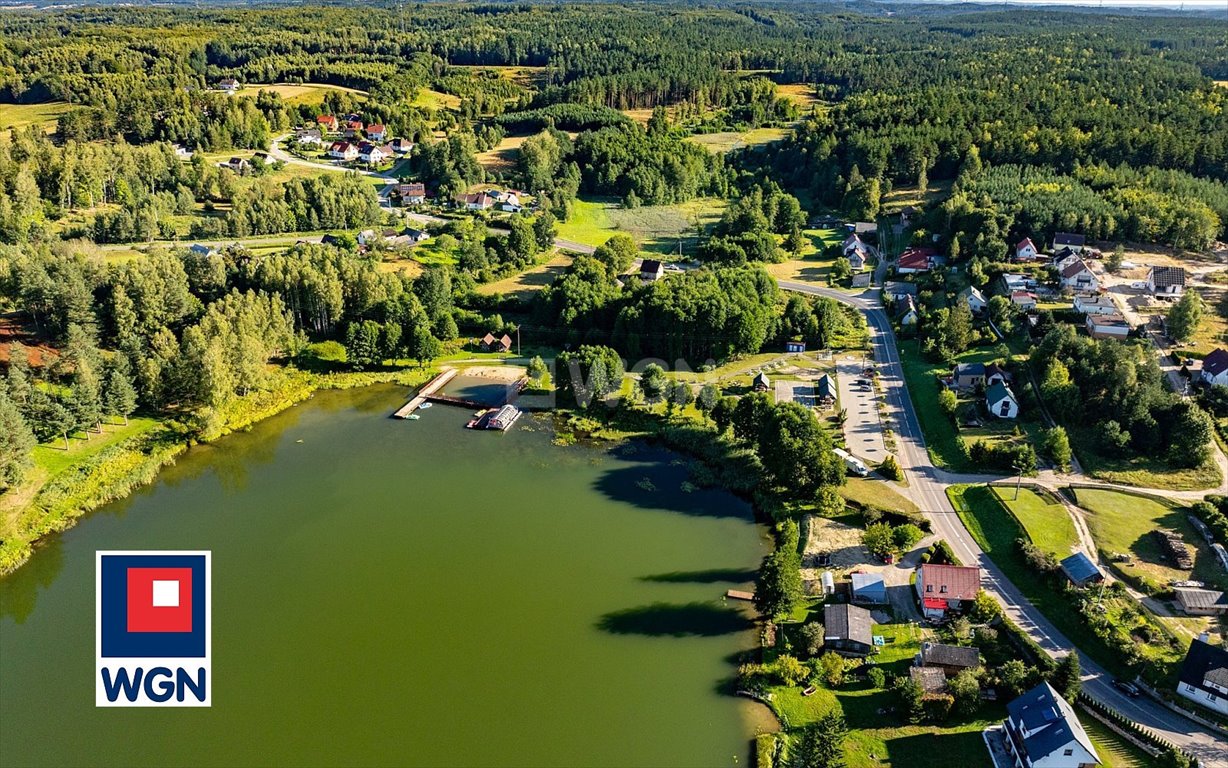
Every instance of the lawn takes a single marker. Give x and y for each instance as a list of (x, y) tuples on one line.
[(1046, 521), (1114, 751), (656, 228), (727, 141), (53, 459), (876, 493), (301, 93), (814, 265), (941, 438), (21, 115), (899, 197), (529, 281), (435, 100), (995, 531), (1123, 522)]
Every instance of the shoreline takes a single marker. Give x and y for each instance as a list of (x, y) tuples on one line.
[(118, 470)]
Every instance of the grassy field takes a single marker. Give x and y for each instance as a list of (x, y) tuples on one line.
[(21, 115), (656, 228), (900, 197), (801, 94), (300, 93), (876, 493), (1123, 522), (941, 438), (503, 156), (1142, 471), (995, 530), (813, 266), (1114, 751), (1046, 521), (529, 281), (435, 100), (726, 141)]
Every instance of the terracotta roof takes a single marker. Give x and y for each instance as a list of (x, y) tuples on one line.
[(375, 128), (1024, 243), (916, 258), (950, 582)]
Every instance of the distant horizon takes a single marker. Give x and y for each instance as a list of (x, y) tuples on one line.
[(1166, 5)]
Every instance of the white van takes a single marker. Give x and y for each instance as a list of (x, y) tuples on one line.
[(852, 463)]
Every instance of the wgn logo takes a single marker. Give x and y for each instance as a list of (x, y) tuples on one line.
[(153, 627)]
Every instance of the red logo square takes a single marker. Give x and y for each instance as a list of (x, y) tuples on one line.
[(162, 607)]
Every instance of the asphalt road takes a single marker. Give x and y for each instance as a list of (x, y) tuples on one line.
[(929, 492)]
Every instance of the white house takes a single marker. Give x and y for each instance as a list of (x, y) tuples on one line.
[(1023, 300), (651, 270), (1095, 305), (1012, 282), (1001, 401), (377, 132), (1166, 281), (182, 152), (207, 251), (975, 300), (1204, 676), (915, 260), (310, 136), (371, 154), (509, 201), (1215, 368), (1043, 731), (906, 314), (413, 193), (343, 150), (229, 85), (856, 259), (1079, 277), (1107, 326), (1067, 240), (1025, 250)]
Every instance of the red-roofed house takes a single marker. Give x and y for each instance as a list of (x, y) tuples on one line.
[(353, 128), (327, 122), (946, 589), (915, 260), (1025, 250), (343, 150), (412, 193), (376, 132), (1215, 368)]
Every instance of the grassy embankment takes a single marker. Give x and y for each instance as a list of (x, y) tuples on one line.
[(988, 517), (66, 484)]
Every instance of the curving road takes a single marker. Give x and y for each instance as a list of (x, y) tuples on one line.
[(927, 487)]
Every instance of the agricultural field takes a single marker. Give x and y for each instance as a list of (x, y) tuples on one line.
[(19, 116), (1124, 522), (801, 94), (300, 93), (727, 141), (529, 281), (656, 228), (503, 156)]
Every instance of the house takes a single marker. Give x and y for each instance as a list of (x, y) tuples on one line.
[(310, 136), (377, 132), (967, 375), (491, 343), (825, 390), (1026, 250), (1077, 276), (761, 383), (412, 194), (931, 680), (951, 659), (914, 260), (1095, 305), (996, 374), (946, 589), (906, 312), (795, 346), (370, 236), (417, 235), (906, 215), (402, 146), (1067, 240), (1166, 281), (208, 251), (1001, 401), (856, 259), (1107, 327), (263, 158), (898, 290), (1215, 367), (869, 588), (353, 128), (1023, 300), (343, 150), (864, 228), (1202, 602), (1204, 676), (651, 270), (1043, 731), (182, 152), (855, 243), (1009, 283), (1064, 257), (847, 630), (475, 202), (1081, 571), (327, 123), (508, 201), (370, 153), (974, 299), (228, 84), (237, 164)]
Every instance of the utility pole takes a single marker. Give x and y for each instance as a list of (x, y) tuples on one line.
[(518, 341), (1019, 480)]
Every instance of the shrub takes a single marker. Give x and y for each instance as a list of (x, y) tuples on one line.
[(877, 677)]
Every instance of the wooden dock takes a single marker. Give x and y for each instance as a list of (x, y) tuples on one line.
[(424, 394), (737, 594)]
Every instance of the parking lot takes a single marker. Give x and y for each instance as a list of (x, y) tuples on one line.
[(863, 429)]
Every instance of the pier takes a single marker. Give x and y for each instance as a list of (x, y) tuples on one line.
[(427, 393)]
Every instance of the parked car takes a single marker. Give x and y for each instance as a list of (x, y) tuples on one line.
[(1128, 688)]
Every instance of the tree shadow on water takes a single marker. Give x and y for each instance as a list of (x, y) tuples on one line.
[(710, 576), (695, 619), (666, 487)]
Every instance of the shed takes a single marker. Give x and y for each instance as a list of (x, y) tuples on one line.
[(761, 382), (829, 583), (869, 588), (930, 680), (847, 630), (951, 659), (1081, 571), (795, 346), (825, 389), (1202, 602)]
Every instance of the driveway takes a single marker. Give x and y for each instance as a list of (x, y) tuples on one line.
[(863, 429)]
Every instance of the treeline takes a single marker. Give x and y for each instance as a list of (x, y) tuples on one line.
[(1116, 391)]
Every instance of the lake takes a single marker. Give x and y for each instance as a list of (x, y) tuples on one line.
[(412, 593)]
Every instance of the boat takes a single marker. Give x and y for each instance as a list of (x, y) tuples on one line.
[(413, 417), (810, 691), (503, 419), (424, 406), (476, 421)]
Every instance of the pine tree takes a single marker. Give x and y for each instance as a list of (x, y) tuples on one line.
[(1066, 678), (16, 443), (86, 398), (118, 394), (820, 744)]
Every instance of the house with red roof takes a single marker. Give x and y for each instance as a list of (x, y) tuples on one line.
[(915, 260), (343, 150), (327, 122), (946, 590), (353, 128), (1025, 250), (377, 132)]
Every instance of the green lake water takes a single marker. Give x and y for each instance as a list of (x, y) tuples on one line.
[(408, 592)]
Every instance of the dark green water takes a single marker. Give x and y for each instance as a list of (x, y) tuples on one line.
[(389, 592)]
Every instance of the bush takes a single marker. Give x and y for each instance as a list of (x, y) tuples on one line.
[(890, 469), (877, 677)]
